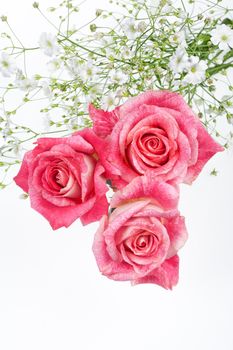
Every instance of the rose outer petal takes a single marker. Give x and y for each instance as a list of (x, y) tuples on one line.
[(103, 121), (58, 216), (167, 275), (177, 233), (149, 187), (207, 148), (21, 179)]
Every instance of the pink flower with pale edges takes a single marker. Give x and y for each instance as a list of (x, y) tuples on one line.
[(153, 132), (139, 240), (64, 180)]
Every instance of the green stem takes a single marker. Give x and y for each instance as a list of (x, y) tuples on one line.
[(214, 70), (91, 51)]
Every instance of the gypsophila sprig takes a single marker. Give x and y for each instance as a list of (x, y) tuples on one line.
[(144, 45)]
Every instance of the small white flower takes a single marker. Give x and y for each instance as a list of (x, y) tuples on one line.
[(54, 65), (159, 6), (130, 29), (48, 44), (195, 71), (126, 53), (222, 36), (46, 88), (142, 26), (87, 70), (109, 101), (7, 66), (93, 92), (107, 43), (178, 61), (120, 92), (73, 66), (110, 52), (179, 38), (227, 100), (24, 83), (98, 35), (150, 82), (17, 149), (118, 77), (182, 14)]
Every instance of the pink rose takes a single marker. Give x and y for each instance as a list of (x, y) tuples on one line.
[(64, 180), (153, 132), (140, 238)]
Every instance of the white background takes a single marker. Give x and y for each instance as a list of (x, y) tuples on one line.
[(52, 295)]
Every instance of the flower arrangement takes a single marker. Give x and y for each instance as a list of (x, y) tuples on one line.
[(134, 107)]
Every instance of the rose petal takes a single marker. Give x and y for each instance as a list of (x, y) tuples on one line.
[(148, 187), (103, 121), (207, 147), (167, 275), (58, 216), (177, 233)]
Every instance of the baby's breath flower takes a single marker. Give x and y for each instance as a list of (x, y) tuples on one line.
[(107, 43), (73, 66), (157, 6), (54, 65), (17, 149), (24, 83), (87, 70), (46, 88), (93, 92), (142, 26), (222, 36), (118, 77), (7, 66), (179, 39), (178, 61), (109, 101), (196, 70), (48, 44), (126, 53), (131, 29)]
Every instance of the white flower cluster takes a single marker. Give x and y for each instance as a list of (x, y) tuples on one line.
[(192, 66), (48, 44), (133, 29), (7, 65), (222, 36), (149, 44)]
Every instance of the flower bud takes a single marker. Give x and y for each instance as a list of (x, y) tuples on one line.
[(4, 18), (35, 5)]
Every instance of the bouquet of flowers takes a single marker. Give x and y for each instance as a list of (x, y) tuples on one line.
[(134, 106)]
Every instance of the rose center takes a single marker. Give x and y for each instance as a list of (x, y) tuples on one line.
[(61, 178), (60, 175), (152, 143), (142, 244)]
